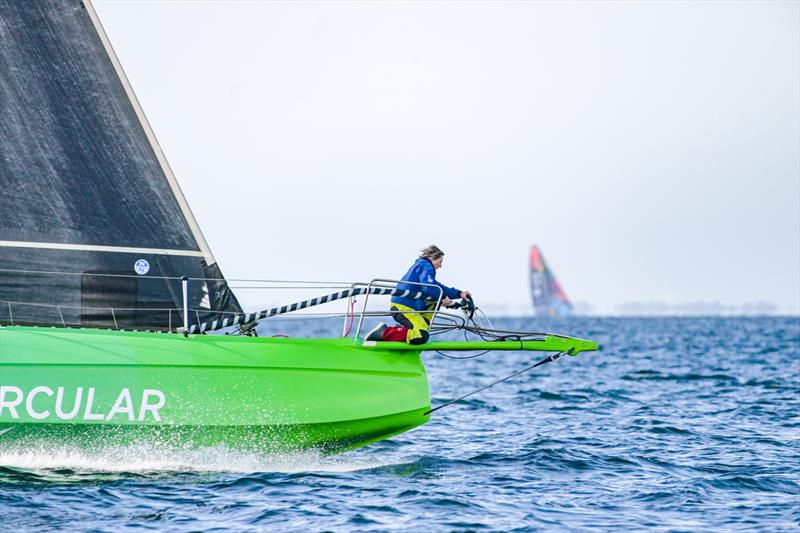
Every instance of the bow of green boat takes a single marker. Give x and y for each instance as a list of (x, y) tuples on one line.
[(92, 387)]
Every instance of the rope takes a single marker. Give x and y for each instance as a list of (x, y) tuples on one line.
[(469, 325), (240, 319), (352, 317), (550, 358), (473, 356), (301, 283)]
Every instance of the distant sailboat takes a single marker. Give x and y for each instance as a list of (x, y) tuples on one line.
[(549, 299)]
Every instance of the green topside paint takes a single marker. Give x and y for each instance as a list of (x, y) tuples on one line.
[(91, 386)]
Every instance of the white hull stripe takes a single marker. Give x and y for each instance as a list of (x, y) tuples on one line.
[(171, 180), (99, 248)]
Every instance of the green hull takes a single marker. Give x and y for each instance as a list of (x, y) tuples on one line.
[(264, 394), (91, 388)]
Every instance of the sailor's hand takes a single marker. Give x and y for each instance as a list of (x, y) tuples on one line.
[(466, 295), (446, 301)]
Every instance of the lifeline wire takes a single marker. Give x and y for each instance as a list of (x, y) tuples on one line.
[(239, 319), (550, 358)]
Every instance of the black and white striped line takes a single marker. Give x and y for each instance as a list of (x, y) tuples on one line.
[(266, 313)]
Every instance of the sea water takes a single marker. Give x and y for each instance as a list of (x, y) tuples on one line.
[(678, 424)]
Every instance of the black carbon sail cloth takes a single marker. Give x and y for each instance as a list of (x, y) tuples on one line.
[(84, 188)]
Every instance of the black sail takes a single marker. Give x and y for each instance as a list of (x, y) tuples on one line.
[(91, 217)]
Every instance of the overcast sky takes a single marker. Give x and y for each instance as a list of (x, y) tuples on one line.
[(651, 149)]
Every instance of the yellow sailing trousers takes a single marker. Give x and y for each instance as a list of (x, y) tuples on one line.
[(417, 322)]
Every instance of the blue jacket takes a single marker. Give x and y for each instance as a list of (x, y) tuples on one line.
[(422, 271)]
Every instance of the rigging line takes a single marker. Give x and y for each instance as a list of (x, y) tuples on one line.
[(482, 332), (65, 273), (243, 280), (473, 356), (100, 275), (520, 333), (299, 316), (294, 287), (267, 313), (550, 358), (352, 317), (36, 304), (485, 317), (61, 273)]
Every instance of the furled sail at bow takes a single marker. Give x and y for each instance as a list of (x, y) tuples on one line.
[(547, 295), (91, 216)]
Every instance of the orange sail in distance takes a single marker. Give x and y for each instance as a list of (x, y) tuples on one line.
[(549, 299)]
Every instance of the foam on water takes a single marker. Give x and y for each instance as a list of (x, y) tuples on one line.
[(154, 459)]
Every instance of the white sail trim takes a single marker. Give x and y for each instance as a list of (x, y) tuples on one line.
[(151, 137), (100, 248)]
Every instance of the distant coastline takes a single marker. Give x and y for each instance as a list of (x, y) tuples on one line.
[(655, 308), (699, 308)]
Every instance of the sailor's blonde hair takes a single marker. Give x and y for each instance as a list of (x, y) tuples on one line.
[(432, 252)]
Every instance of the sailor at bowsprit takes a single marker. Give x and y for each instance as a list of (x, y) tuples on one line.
[(413, 315)]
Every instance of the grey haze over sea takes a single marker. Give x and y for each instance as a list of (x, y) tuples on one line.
[(678, 424)]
